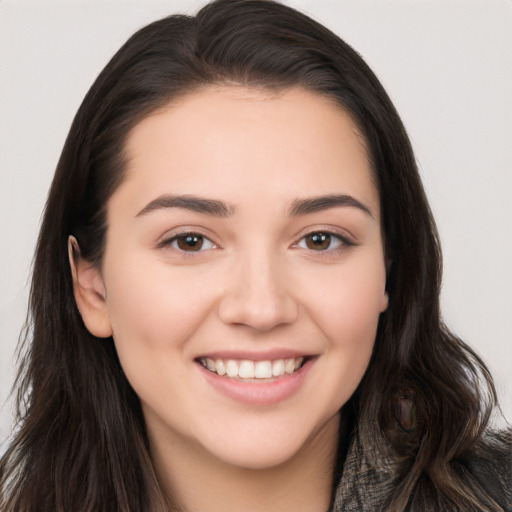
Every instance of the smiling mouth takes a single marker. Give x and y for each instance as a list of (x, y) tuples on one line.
[(253, 370)]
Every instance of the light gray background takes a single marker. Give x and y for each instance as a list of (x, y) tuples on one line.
[(447, 65)]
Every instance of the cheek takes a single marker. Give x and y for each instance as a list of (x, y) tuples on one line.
[(350, 298), (351, 328), (152, 306), (154, 311), (347, 310)]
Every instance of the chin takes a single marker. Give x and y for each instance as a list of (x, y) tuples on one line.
[(257, 457), (266, 446)]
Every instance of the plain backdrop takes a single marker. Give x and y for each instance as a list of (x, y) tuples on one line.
[(447, 65)]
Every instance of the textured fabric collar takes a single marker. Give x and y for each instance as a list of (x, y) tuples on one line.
[(363, 487), (369, 475)]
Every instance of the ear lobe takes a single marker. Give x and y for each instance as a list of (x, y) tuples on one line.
[(384, 303), (385, 297), (89, 291)]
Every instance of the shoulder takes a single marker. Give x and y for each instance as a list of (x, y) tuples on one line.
[(370, 478)]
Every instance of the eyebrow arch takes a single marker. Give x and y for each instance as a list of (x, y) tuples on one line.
[(316, 204), (188, 202)]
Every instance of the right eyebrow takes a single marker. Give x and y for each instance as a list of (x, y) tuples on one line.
[(192, 203)]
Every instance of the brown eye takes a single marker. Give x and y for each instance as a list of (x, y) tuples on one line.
[(323, 241), (318, 241), (189, 242)]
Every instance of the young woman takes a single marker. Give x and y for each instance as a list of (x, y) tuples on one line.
[(235, 299)]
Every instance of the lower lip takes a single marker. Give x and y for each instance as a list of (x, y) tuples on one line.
[(258, 393)]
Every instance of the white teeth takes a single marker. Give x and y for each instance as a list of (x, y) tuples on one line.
[(263, 370), (289, 366), (247, 369), (278, 368), (232, 368), (221, 367)]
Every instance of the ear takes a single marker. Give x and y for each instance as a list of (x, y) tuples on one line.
[(89, 291)]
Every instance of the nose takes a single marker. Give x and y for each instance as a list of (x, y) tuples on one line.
[(258, 295)]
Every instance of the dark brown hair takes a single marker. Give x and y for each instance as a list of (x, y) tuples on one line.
[(81, 443)]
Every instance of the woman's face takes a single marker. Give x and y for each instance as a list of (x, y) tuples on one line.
[(244, 273)]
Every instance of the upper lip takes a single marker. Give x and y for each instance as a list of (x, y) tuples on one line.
[(267, 355)]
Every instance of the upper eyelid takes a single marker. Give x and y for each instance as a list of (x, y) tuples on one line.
[(174, 233), (167, 243), (341, 233), (345, 240)]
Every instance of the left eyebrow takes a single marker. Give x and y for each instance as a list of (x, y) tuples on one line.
[(320, 203)]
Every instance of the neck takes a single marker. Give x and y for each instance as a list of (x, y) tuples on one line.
[(201, 483)]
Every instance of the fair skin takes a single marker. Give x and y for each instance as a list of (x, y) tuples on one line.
[(279, 281)]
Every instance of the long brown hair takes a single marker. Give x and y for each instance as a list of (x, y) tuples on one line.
[(81, 443)]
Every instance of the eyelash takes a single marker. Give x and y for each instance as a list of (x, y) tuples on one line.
[(341, 242), (182, 237)]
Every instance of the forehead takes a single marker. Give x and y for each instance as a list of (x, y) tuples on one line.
[(221, 139)]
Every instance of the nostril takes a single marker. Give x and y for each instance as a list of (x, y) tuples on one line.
[(262, 314)]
